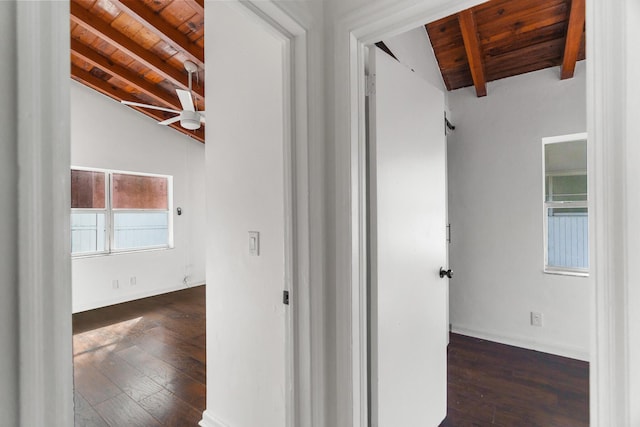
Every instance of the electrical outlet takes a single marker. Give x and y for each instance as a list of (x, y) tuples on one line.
[(132, 281), (536, 318), (115, 284)]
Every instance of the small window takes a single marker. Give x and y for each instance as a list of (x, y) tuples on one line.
[(118, 211), (565, 205)]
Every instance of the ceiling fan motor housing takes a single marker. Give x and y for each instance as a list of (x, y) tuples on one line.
[(190, 120)]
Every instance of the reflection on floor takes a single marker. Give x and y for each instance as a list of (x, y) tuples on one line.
[(493, 384), (141, 363)]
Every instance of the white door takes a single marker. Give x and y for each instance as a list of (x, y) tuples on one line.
[(407, 208)]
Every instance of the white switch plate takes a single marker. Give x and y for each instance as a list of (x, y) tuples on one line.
[(254, 243)]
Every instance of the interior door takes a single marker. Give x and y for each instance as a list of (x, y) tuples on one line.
[(407, 208)]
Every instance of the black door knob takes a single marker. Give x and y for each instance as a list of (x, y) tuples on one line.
[(444, 273)]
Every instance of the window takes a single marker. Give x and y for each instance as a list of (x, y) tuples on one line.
[(566, 220), (119, 211)]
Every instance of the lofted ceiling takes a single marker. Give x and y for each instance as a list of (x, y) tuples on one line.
[(135, 50), (504, 38)]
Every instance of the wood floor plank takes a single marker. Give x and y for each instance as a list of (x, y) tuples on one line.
[(137, 331), (194, 346), (154, 362), (189, 390), (495, 384), (93, 385), (85, 415), (174, 356), (151, 366), (170, 410), (130, 380), (121, 410)]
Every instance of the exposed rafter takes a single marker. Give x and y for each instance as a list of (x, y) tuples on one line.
[(575, 29), (95, 59), (112, 91), (472, 48), (197, 5), (497, 39), (154, 23), (109, 34)]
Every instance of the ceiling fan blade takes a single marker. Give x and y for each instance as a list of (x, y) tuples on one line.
[(151, 107), (186, 100), (169, 121)]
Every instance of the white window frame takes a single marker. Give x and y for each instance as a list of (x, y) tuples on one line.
[(110, 212), (546, 205)]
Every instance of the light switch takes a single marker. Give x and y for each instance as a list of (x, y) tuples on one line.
[(254, 243)]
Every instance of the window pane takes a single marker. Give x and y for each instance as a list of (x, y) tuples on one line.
[(137, 230), (565, 167), (139, 192), (567, 238), (568, 188), (88, 232), (87, 189)]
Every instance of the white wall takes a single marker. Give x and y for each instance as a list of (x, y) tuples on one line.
[(413, 49), (245, 192), (8, 221), (106, 134), (632, 169), (495, 211)]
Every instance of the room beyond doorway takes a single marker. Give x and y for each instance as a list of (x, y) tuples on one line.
[(142, 362)]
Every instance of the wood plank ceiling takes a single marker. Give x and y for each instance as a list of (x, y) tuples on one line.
[(134, 50), (504, 38)]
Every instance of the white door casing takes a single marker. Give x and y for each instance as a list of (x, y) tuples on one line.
[(408, 299)]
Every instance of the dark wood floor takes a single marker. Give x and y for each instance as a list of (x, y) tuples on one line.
[(143, 364), (493, 384)]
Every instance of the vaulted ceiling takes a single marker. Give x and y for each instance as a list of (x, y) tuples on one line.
[(504, 38), (135, 50)]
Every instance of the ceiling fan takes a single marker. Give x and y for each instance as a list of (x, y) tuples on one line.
[(189, 117)]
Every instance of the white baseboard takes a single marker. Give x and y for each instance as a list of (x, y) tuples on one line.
[(209, 420), (131, 297), (523, 342)]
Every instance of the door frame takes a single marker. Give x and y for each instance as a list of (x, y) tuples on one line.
[(609, 386), (44, 287)]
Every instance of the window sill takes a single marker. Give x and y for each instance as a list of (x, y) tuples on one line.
[(560, 272), (121, 252)]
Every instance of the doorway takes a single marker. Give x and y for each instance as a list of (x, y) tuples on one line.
[(353, 130), (45, 311)]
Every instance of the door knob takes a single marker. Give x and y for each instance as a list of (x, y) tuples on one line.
[(444, 273)]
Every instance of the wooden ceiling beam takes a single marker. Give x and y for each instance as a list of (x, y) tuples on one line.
[(472, 48), (158, 26), (198, 6), (111, 91), (573, 39), (95, 59), (101, 29)]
